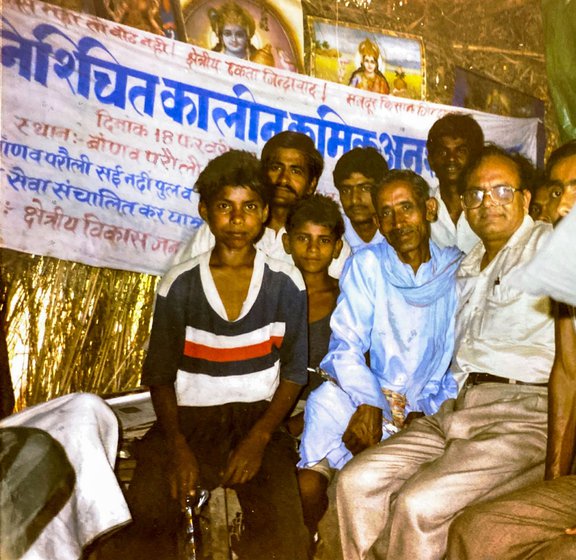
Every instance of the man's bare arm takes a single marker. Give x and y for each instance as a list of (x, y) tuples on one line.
[(183, 475), (562, 399)]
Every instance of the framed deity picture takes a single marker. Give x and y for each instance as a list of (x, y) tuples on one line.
[(268, 32), (367, 58)]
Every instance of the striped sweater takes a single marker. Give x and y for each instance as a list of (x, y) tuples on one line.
[(213, 360)]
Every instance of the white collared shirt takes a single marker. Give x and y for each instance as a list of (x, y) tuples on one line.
[(445, 233), (500, 329), (270, 244)]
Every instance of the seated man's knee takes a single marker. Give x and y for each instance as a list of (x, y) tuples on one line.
[(313, 485), (357, 478), (418, 502)]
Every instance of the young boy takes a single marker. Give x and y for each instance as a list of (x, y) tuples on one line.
[(226, 362), (313, 237)]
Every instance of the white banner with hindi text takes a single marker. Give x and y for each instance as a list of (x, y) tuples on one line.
[(105, 129)]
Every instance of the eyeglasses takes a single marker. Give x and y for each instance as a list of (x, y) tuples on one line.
[(500, 195)]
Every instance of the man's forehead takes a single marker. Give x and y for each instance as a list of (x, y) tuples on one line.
[(564, 170), (450, 141), (356, 178), (289, 156), (494, 169), (396, 192)]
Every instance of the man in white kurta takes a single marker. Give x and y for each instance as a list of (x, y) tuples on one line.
[(406, 323), (397, 499), (400, 312)]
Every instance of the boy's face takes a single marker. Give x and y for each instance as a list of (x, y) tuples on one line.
[(562, 188), (236, 216), (312, 247)]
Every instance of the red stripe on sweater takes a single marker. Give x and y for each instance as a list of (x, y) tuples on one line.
[(201, 352)]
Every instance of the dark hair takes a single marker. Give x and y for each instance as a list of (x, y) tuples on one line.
[(564, 151), (457, 126), (419, 185), (318, 209), (368, 161), (295, 141), (526, 170), (538, 182), (236, 168)]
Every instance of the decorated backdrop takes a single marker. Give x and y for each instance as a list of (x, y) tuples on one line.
[(105, 129)]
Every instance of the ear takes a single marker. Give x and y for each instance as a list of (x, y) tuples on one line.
[(265, 213), (203, 210), (431, 210), (337, 249), (286, 243), (312, 187), (527, 197)]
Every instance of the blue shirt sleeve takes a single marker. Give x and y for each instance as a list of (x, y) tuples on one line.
[(351, 325)]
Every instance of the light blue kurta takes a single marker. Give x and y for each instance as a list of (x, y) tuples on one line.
[(406, 323)]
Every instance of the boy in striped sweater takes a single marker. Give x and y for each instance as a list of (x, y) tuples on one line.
[(227, 359)]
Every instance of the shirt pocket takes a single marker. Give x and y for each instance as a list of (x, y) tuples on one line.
[(505, 313)]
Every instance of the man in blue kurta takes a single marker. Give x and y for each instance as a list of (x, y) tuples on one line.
[(397, 305)]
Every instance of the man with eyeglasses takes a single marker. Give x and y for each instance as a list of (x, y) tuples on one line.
[(539, 521), (398, 498), (355, 175)]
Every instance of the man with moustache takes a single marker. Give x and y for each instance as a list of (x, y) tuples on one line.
[(293, 165), (398, 498), (397, 303), (539, 521), (355, 175)]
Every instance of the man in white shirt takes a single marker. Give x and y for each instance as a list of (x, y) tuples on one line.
[(453, 141), (539, 521), (293, 165), (397, 499), (355, 175)]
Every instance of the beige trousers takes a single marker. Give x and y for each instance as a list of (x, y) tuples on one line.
[(396, 500), (526, 524)]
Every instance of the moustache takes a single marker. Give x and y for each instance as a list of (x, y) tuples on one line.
[(287, 187), (355, 207), (400, 232)]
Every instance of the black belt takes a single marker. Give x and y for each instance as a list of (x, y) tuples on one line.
[(477, 378)]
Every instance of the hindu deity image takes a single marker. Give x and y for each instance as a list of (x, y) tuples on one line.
[(368, 76)]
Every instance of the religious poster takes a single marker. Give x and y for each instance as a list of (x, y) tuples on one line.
[(367, 58), (105, 129), (268, 32)]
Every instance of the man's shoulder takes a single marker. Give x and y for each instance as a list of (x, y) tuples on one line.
[(202, 240)]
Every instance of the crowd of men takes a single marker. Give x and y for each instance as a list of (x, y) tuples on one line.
[(438, 330), (431, 413)]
